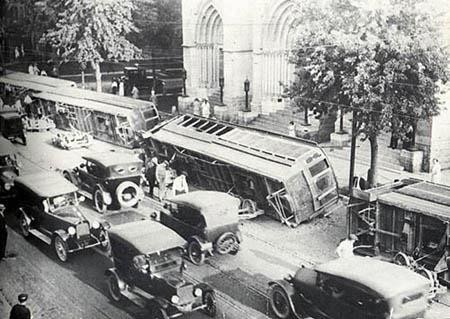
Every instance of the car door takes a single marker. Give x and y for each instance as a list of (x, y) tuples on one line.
[(52, 222), (179, 218), (90, 174), (332, 293)]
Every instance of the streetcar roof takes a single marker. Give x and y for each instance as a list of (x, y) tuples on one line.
[(39, 79), (108, 159), (10, 115), (46, 184), (424, 197), (273, 155), (207, 202), (145, 236), (387, 279)]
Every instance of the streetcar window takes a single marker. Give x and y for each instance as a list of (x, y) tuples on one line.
[(207, 126), (226, 130), (215, 129), (150, 113), (318, 167), (200, 123), (192, 120)]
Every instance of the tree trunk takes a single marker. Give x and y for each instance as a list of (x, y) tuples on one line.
[(326, 126), (98, 76), (373, 171)]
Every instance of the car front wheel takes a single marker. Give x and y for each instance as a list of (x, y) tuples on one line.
[(196, 256), (60, 247), (279, 302), (159, 313), (24, 225), (209, 300)]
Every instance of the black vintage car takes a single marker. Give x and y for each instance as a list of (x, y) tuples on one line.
[(350, 288), (46, 205), (11, 126), (148, 270), (110, 180), (208, 220), (9, 168)]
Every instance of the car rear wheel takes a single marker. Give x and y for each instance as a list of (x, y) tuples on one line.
[(279, 302), (113, 288), (159, 313), (196, 256), (127, 194), (209, 300), (99, 204), (60, 247), (24, 225)]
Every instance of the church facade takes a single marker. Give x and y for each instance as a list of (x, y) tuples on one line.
[(237, 40)]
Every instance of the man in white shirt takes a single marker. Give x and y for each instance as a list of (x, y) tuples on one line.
[(436, 171), (345, 248), (180, 185)]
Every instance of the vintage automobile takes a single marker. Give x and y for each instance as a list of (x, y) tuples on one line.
[(350, 288), (46, 205), (148, 266), (11, 126), (208, 220), (43, 124), (9, 168), (72, 139), (110, 180)]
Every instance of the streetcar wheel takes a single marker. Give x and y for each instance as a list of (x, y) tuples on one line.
[(279, 302), (196, 256)]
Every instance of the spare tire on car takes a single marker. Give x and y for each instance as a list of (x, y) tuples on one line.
[(127, 194)]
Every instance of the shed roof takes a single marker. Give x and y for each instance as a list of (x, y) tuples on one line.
[(424, 198), (146, 236), (113, 158), (387, 279), (46, 184), (269, 154)]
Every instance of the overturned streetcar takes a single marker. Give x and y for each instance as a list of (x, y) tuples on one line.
[(110, 118), (288, 178)]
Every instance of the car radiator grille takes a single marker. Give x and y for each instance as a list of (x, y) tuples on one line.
[(83, 232), (186, 294)]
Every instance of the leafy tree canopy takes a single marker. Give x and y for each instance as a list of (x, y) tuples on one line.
[(92, 30), (382, 59)]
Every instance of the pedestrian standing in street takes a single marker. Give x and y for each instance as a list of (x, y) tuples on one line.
[(30, 69), (161, 178), (291, 129), (345, 248), (16, 53), (20, 310), (436, 174), (3, 233), (121, 87), (150, 174), (36, 70), (180, 185), (114, 85), (206, 108), (135, 92), (196, 107)]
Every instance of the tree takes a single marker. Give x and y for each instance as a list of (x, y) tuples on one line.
[(89, 31), (382, 60)]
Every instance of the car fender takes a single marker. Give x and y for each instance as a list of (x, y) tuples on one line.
[(204, 287), (204, 245), (28, 218), (113, 271), (72, 175), (61, 233), (107, 197)]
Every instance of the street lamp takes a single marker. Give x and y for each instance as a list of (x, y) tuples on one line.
[(221, 85), (184, 81), (246, 89)]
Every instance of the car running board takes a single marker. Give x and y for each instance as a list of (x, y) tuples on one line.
[(137, 296), (85, 194), (41, 236)]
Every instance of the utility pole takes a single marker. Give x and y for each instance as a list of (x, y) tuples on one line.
[(352, 168)]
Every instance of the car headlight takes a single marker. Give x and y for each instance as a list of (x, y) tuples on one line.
[(8, 186), (95, 224), (107, 198), (198, 292), (175, 299), (71, 230)]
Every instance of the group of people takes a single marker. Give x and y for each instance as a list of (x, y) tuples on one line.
[(118, 86), (34, 70), (202, 108), (161, 175)]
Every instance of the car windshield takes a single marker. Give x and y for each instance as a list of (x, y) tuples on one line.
[(164, 260), (62, 201)]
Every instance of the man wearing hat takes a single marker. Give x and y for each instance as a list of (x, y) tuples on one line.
[(20, 310), (345, 248), (3, 233), (161, 178)]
